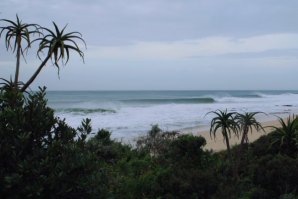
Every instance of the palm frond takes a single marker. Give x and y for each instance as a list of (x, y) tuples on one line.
[(59, 44)]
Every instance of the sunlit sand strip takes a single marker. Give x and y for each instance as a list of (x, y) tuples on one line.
[(218, 144)]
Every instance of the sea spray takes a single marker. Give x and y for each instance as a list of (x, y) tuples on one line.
[(129, 114)]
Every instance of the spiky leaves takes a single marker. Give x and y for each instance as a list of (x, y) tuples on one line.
[(16, 33), (285, 137), (225, 121), (58, 46), (247, 122)]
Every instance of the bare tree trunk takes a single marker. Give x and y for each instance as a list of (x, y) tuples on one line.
[(35, 74), (16, 79)]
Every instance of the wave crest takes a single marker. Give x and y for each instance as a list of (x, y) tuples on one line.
[(204, 100), (86, 110)]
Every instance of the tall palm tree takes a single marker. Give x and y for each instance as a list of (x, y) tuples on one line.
[(225, 121), (16, 33), (286, 136), (246, 122), (58, 46)]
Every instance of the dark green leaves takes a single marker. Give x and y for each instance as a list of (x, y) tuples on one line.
[(225, 121), (59, 44), (16, 32)]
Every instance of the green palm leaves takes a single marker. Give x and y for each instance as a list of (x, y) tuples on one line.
[(58, 44), (16, 32), (286, 137), (247, 122), (236, 123), (225, 121)]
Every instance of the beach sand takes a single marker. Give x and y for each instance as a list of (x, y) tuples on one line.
[(218, 144)]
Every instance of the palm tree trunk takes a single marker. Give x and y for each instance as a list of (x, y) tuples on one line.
[(227, 143), (240, 151), (16, 79), (244, 136), (35, 74)]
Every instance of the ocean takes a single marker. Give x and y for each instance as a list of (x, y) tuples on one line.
[(130, 114)]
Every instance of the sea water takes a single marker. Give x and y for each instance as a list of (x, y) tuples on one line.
[(130, 114)]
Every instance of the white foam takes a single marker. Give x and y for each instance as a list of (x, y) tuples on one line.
[(135, 120)]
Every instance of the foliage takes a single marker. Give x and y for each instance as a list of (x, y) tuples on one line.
[(40, 155), (276, 175), (247, 122), (58, 44), (285, 137), (155, 142), (16, 32), (225, 121)]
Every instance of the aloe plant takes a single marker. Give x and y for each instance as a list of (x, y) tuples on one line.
[(57, 45), (225, 121), (16, 34), (246, 122), (285, 137)]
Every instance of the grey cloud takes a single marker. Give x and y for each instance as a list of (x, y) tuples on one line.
[(123, 21), (276, 53)]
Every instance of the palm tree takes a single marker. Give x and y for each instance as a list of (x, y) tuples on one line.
[(16, 32), (286, 136), (246, 123), (58, 46), (225, 121)]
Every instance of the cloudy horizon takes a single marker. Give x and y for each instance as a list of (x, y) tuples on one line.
[(166, 44)]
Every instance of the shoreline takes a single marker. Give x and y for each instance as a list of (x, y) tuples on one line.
[(217, 144)]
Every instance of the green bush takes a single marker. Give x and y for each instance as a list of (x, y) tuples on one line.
[(276, 174), (40, 155)]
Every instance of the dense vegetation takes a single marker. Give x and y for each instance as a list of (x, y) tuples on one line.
[(42, 157)]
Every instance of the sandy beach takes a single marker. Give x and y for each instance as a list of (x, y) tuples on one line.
[(218, 144)]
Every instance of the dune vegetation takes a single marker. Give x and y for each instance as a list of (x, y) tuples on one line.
[(41, 156)]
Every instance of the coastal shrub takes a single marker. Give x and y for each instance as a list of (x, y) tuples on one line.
[(288, 196), (262, 146), (285, 137), (40, 155), (185, 150), (106, 149), (277, 174), (181, 169), (156, 141)]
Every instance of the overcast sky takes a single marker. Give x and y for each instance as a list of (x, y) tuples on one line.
[(166, 44)]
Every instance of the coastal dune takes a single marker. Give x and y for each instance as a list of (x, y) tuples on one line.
[(218, 143)]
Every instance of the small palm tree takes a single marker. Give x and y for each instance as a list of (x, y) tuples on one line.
[(246, 123), (225, 121), (16, 33), (58, 46), (286, 136)]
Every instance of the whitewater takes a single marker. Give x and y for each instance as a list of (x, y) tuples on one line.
[(130, 114)]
